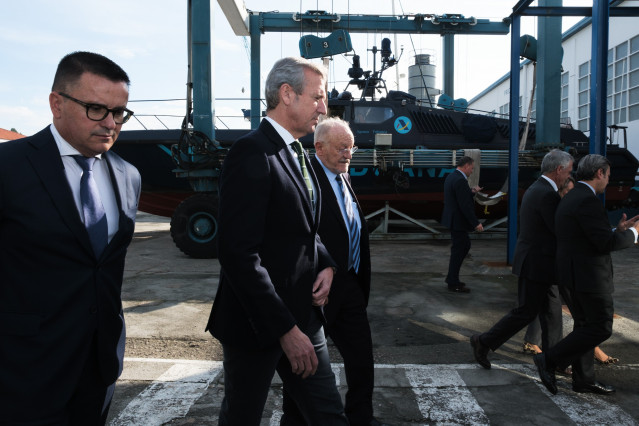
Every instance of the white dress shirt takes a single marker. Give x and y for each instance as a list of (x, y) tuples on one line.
[(101, 176)]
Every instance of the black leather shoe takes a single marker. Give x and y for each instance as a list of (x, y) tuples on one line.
[(459, 289), (547, 376), (480, 351), (595, 387)]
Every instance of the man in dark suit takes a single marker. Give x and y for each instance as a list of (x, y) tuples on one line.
[(276, 274), (345, 236), (459, 217), (584, 243), (534, 261), (62, 326)]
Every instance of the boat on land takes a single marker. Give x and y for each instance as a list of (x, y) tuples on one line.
[(407, 146)]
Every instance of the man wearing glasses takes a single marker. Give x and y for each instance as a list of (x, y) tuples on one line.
[(67, 214), (344, 234)]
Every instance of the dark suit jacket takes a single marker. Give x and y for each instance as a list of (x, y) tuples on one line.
[(334, 235), (269, 248), (584, 242), (536, 244), (459, 208), (55, 296)]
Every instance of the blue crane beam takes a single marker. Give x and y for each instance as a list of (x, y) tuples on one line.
[(398, 24), (321, 21)]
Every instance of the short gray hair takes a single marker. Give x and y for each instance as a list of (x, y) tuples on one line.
[(554, 159), (590, 164), (326, 125), (288, 71)]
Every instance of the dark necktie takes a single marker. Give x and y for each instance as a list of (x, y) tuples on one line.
[(353, 229), (297, 147), (95, 219)]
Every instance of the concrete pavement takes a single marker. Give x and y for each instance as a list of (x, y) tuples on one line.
[(425, 371)]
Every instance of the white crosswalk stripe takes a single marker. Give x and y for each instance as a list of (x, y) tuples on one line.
[(443, 393), (171, 395)]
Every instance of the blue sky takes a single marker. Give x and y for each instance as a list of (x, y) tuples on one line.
[(148, 39)]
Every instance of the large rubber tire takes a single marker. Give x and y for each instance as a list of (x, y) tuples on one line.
[(194, 226)]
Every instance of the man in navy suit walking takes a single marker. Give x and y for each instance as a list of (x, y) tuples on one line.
[(459, 217), (585, 240), (64, 233), (276, 274), (534, 262)]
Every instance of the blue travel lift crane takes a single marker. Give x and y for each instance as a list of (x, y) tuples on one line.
[(199, 158), (549, 54)]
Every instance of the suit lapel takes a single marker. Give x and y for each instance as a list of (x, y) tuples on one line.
[(327, 191), (292, 169), (47, 163), (126, 212)]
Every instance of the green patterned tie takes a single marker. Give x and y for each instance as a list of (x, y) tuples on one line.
[(297, 147)]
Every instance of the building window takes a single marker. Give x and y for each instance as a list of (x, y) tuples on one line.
[(617, 87), (504, 110), (633, 80), (564, 98), (583, 97)]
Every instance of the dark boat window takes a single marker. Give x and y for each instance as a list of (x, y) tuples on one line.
[(372, 114), (337, 111)]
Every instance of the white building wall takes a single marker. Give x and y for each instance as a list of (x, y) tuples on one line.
[(577, 51)]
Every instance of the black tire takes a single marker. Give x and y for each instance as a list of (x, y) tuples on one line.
[(194, 226)]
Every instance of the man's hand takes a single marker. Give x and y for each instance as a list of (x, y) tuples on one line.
[(479, 228), (300, 352), (624, 224), (322, 286), (476, 189)]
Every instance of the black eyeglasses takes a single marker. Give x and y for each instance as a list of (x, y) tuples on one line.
[(97, 112)]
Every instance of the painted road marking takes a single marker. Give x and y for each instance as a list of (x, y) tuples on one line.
[(441, 394), (171, 395)]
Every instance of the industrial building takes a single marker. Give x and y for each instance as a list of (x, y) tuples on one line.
[(622, 82)]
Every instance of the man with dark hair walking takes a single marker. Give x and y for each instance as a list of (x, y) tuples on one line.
[(67, 215), (459, 217), (534, 261)]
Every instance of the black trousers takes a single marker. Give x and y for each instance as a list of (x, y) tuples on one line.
[(592, 314), (248, 375), (350, 331), (534, 297), (458, 251), (554, 320)]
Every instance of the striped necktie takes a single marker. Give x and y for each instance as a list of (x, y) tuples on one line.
[(95, 219), (297, 147), (353, 229)]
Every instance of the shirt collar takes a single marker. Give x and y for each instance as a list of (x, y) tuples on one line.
[(462, 173), (330, 175), (591, 188), (284, 134), (552, 182), (65, 148)]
